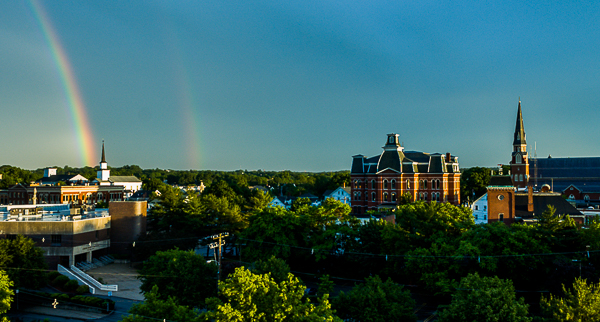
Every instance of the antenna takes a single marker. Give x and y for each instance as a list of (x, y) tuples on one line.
[(535, 168)]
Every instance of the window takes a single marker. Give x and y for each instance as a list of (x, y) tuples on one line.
[(484, 217), (425, 196), (476, 217), (385, 196), (372, 184), (586, 198), (407, 184), (484, 208), (518, 158), (425, 183), (393, 196), (385, 184), (56, 240), (374, 196), (501, 217), (571, 197), (476, 207), (393, 184)]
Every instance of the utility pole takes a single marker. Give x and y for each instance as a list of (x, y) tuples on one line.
[(218, 244)]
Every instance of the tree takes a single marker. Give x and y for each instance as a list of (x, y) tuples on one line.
[(259, 200), (24, 262), (182, 275), (582, 303), (155, 308), (485, 299), (246, 296), (375, 301), (474, 182), (6, 294), (278, 269)]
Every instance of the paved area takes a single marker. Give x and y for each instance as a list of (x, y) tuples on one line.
[(128, 295), (122, 275)]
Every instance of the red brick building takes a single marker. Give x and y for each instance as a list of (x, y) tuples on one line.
[(379, 181)]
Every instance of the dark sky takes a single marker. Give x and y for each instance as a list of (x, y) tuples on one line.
[(299, 85)]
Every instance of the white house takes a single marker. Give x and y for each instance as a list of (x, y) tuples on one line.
[(341, 194), (480, 209)]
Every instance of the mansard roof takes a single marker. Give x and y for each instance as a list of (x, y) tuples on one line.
[(541, 201), (394, 158)]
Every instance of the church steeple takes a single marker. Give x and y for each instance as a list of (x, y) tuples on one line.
[(519, 129), (519, 164), (104, 158), (103, 173)]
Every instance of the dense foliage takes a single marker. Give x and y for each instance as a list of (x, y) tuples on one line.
[(485, 299), (181, 275), (579, 304), (6, 295), (23, 261), (246, 296), (375, 301)]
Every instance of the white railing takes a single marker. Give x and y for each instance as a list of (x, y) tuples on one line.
[(97, 284), (62, 270)]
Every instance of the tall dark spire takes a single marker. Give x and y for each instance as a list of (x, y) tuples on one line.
[(519, 129), (104, 159)]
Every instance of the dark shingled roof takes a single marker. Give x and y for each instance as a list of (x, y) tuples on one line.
[(390, 159), (540, 204), (501, 181)]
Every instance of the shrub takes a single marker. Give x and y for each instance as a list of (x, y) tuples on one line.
[(71, 285), (60, 281), (52, 275), (82, 289)]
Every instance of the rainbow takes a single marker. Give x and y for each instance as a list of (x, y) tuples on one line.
[(83, 131), (187, 101)]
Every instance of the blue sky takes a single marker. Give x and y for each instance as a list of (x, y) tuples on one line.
[(299, 85)]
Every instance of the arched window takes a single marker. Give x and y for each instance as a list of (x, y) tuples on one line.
[(385, 184), (393, 184), (407, 184), (425, 196), (425, 183), (394, 197), (518, 158), (372, 184), (421, 184), (385, 196), (586, 198), (374, 196), (571, 197)]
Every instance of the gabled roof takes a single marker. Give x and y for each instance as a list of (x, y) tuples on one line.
[(116, 179)]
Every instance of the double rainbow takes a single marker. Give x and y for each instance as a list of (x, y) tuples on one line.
[(82, 128)]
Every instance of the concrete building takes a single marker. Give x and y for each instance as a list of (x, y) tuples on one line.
[(68, 234)]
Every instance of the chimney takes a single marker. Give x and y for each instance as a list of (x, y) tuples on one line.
[(529, 198), (344, 184)]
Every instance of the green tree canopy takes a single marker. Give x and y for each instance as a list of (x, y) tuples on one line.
[(155, 308), (6, 294), (23, 261), (278, 269), (579, 304), (182, 275), (485, 299), (246, 296), (375, 301)]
